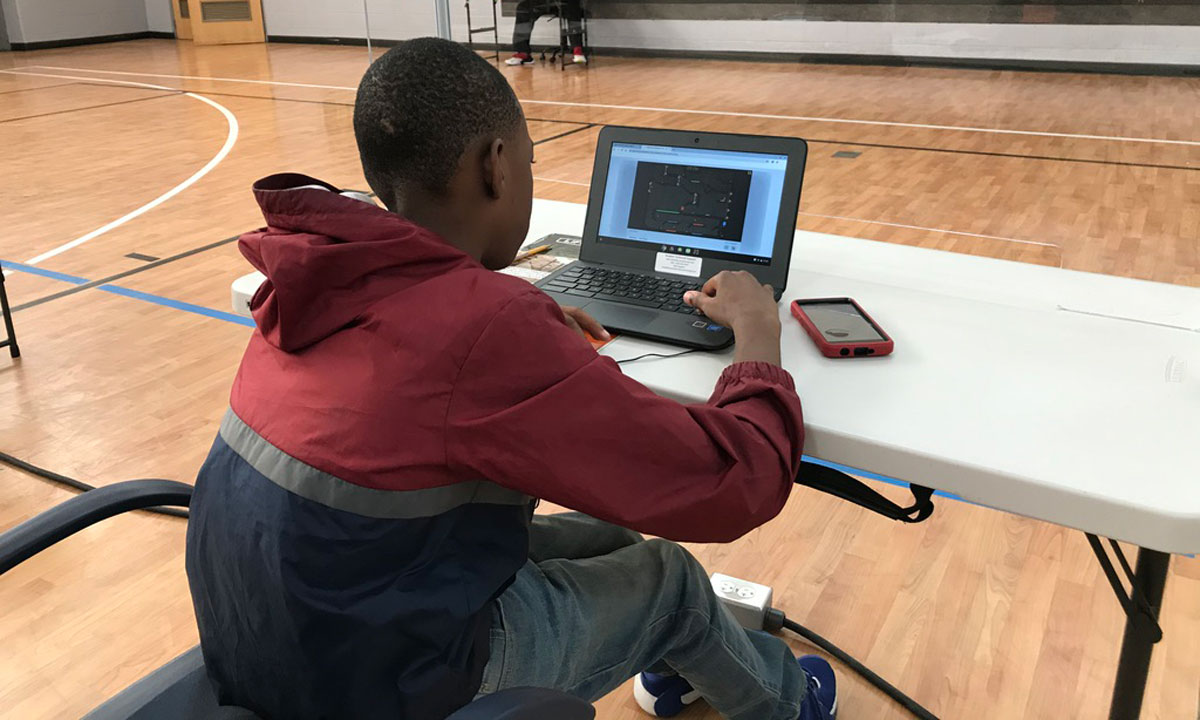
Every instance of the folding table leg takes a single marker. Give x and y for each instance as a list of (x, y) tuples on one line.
[(1142, 631)]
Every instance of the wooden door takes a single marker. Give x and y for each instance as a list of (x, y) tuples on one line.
[(225, 22), (183, 19)]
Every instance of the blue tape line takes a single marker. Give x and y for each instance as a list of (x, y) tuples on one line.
[(42, 272), (880, 478), (178, 305), (135, 294)]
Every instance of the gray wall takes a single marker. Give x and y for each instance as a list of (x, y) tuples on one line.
[(1148, 44), (12, 26), (159, 17), (1061, 12), (3, 32), (1045, 32), (390, 19), (42, 20)]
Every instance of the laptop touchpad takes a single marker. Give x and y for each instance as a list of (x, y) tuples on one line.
[(621, 317)]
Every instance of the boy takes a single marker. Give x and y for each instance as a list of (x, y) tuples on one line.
[(361, 542)]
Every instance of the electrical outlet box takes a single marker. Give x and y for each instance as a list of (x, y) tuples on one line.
[(747, 601)]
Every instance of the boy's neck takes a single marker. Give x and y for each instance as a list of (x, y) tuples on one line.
[(457, 227)]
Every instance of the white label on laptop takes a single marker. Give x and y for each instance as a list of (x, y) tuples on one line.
[(677, 264)]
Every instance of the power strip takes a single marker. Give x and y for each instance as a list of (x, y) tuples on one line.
[(750, 605), (747, 601)]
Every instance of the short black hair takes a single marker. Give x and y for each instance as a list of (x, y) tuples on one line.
[(418, 109)]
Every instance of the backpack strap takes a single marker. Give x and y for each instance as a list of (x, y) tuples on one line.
[(839, 484)]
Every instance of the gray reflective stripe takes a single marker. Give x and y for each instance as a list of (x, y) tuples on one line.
[(308, 482)]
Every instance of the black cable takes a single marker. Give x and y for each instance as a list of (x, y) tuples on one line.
[(776, 619), (75, 484), (654, 355)]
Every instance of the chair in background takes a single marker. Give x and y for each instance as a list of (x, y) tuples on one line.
[(494, 29), (562, 53)]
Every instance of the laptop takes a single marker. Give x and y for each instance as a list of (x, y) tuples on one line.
[(669, 209)]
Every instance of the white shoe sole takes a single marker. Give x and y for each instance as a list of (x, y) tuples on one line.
[(646, 701), (643, 697)]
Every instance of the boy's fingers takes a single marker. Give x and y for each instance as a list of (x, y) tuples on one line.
[(592, 325), (571, 323), (588, 323), (696, 299), (710, 287)]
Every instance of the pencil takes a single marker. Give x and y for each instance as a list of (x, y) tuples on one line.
[(530, 253)]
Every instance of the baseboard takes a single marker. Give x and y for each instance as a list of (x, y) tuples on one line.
[(1066, 66), (305, 40), (71, 42), (1107, 68)]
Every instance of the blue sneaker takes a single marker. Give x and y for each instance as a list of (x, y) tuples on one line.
[(663, 695), (821, 701), (668, 695)]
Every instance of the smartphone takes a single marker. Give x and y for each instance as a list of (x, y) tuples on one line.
[(841, 328)]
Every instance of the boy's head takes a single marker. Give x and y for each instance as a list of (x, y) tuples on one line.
[(441, 135)]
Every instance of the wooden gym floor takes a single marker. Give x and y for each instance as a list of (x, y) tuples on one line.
[(128, 362)]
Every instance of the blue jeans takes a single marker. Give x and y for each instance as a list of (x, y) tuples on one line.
[(595, 605)]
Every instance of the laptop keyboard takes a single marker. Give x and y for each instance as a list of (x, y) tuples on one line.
[(603, 283)]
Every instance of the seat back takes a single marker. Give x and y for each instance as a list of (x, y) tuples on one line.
[(179, 690)]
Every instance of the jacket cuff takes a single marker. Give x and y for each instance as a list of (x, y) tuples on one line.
[(738, 372)]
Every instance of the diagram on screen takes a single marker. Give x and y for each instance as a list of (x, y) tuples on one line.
[(690, 200)]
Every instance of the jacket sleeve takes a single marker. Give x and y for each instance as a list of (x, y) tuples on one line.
[(536, 409)]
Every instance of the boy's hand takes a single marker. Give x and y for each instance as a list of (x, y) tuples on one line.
[(738, 301), (582, 323)]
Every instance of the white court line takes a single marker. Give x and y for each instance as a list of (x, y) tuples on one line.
[(878, 222), (230, 139), (939, 230), (198, 77), (722, 113), (885, 123), (564, 182)]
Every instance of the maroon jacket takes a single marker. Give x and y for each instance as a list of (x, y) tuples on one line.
[(395, 412)]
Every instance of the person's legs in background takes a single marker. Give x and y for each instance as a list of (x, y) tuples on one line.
[(594, 607), (573, 13), (522, 31)]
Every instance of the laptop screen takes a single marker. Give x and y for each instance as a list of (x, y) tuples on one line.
[(719, 204)]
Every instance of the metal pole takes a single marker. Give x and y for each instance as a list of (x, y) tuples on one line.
[(1138, 643), (441, 10), (367, 20)]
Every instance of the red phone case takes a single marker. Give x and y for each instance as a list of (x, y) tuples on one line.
[(875, 348)]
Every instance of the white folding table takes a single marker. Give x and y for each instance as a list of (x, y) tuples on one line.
[(1064, 396)]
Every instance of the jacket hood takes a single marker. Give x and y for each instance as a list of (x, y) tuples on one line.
[(329, 256)]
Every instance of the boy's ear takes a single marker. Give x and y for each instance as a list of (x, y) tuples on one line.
[(493, 168)]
